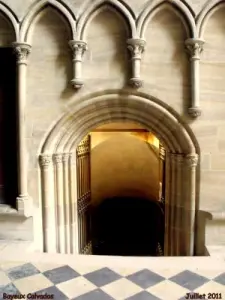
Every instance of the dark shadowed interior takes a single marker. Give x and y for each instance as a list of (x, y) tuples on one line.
[(127, 226)]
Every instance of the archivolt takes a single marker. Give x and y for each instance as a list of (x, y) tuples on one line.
[(11, 17), (178, 7), (96, 7), (113, 106), (37, 8), (206, 13)]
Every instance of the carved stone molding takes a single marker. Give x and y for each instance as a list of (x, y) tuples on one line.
[(65, 157), (194, 112), (194, 48), (192, 160), (45, 160), (162, 152), (136, 48), (22, 50), (58, 158), (78, 49)]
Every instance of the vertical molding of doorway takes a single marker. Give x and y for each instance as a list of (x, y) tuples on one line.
[(167, 205), (60, 226), (67, 209), (191, 161), (180, 213), (73, 202), (48, 204), (179, 160)]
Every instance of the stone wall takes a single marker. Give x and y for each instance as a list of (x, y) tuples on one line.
[(165, 70)]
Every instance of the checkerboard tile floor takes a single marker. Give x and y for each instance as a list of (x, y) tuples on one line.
[(83, 283)]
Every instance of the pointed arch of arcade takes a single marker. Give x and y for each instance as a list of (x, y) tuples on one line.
[(58, 170)]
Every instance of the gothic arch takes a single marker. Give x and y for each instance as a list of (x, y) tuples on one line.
[(206, 13), (177, 7), (57, 157), (33, 12), (95, 8), (11, 17)]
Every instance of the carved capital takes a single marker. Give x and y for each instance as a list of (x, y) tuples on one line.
[(192, 160), (45, 160), (65, 157), (136, 82), (136, 47), (22, 50), (57, 158), (194, 112), (194, 48), (78, 48)]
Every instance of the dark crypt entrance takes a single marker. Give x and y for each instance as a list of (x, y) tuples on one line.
[(120, 225), (127, 226)]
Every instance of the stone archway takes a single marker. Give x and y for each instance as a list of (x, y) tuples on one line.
[(58, 168)]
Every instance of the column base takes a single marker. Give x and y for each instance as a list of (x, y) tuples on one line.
[(194, 112), (77, 83), (136, 82), (24, 206)]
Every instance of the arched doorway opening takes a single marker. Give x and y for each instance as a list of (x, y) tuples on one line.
[(120, 191), (58, 169)]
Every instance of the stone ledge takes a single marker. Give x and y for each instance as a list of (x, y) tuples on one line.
[(7, 210)]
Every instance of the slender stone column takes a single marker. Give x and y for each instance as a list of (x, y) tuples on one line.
[(190, 209), (73, 203), (194, 48), (22, 51), (58, 165), (136, 47), (66, 201), (78, 48), (48, 204), (172, 203), (178, 201), (167, 205)]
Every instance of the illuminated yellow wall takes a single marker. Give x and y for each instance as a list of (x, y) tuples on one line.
[(123, 165)]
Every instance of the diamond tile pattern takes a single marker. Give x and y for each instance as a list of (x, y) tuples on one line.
[(102, 277), (145, 278), (189, 280), (61, 274), (66, 283), (220, 279)]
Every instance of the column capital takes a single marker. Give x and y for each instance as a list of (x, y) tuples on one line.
[(194, 47), (192, 160), (45, 160), (57, 158), (136, 47), (78, 48), (22, 50), (65, 157)]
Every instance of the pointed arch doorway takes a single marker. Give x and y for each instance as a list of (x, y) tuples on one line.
[(58, 169)]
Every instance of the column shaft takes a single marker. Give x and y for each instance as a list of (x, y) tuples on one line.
[(22, 51), (48, 204), (194, 48)]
